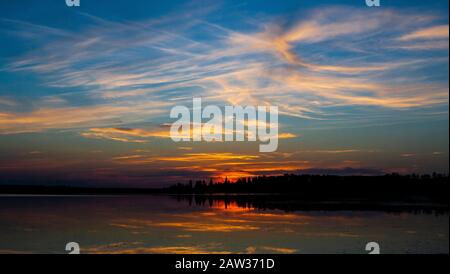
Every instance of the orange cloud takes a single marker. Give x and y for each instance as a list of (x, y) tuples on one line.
[(208, 157), (427, 33), (72, 117), (123, 134)]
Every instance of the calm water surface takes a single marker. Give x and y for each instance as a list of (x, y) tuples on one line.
[(162, 224)]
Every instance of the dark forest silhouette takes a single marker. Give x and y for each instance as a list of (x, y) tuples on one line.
[(432, 186), (391, 193), (291, 192)]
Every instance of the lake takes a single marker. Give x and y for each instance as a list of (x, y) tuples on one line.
[(174, 225)]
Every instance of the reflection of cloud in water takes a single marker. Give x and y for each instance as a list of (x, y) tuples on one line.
[(331, 234), (159, 224), (211, 248), (204, 227), (279, 250), (137, 248), (13, 252), (219, 220)]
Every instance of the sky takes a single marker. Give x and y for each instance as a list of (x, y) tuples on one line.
[(86, 92)]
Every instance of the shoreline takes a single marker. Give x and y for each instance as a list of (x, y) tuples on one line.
[(283, 202)]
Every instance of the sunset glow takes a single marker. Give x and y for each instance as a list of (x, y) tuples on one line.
[(86, 92)]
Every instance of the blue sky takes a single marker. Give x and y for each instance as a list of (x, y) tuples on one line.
[(89, 89)]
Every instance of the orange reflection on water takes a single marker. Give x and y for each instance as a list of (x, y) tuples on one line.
[(230, 206)]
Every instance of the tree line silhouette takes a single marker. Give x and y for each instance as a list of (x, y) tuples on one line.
[(389, 193), (388, 187), (306, 188)]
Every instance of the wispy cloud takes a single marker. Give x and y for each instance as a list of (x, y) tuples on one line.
[(428, 33), (429, 38), (162, 58), (333, 68), (7, 102), (124, 134), (207, 157), (75, 117)]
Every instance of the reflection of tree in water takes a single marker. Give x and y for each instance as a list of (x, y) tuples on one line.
[(289, 203), (392, 193)]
